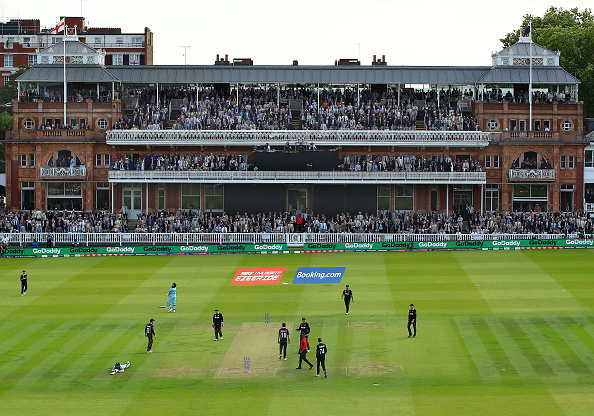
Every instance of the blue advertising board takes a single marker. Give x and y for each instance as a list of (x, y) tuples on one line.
[(309, 275)]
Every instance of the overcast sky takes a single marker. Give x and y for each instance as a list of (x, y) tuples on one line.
[(315, 32)]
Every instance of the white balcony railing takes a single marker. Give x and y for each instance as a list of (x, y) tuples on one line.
[(51, 172), (532, 174), (280, 137), (335, 177)]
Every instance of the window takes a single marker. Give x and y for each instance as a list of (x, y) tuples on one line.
[(296, 196), (32, 60), (496, 162), (493, 125), (190, 196), (522, 125), (118, 59), (97, 41), (567, 125), (547, 125), (56, 39), (383, 197), (589, 162), (31, 160), (488, 162), (563, 162), (102, 199), (98, 159), (102, 123), (513, 125), (6, 79), (106, 160), (64, 195), (119, 39), (8, 61), (28, 124), (404, 197), (537, 125), (137, 40), (27, 195), (134, 59), (571, 162), (23, 161), (213, 197), (161, 197), (492, 197)]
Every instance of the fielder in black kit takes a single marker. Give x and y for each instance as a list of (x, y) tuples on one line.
[(217, 324), (321, 352), (347, 295), (412, 320), (283, 339), (304, 329)]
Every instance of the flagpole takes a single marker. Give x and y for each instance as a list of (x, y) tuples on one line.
[(530, 88), (65, 97)]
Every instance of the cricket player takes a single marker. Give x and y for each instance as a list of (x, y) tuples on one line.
[(119, 368), (172, 298), (412, 320), (283, 339), (24, 283), (321, 352), (347, 295), (149, 332), (217, 324)]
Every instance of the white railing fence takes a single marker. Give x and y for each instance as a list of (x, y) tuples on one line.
[(292, 239)]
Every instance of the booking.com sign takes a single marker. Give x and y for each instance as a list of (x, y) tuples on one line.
[(308, 275)]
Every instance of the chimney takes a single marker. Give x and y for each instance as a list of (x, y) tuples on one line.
[(383, 58), (217, 56), (374, 58), (226, 57)]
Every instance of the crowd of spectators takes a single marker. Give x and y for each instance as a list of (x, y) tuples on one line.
[(147, 117), (328, 109), (408, 163), (463, 219), (211, 162), (495, 95), (64, 221), (32, 94)]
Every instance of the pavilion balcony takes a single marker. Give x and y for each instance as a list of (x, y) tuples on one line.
[(532, 174), (52, 172), (321, 177), (281, 137)]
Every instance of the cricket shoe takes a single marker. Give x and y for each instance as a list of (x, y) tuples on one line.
[(325, 375), (280, 357), (285, 359), (149, 351), (128, 363), (317, 375), (310, 366)]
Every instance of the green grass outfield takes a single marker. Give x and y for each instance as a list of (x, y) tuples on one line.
[(499, 333)]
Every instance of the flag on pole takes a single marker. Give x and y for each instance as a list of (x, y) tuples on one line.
[(59, 28), (527, 30)]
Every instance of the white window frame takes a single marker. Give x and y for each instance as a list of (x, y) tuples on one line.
[(493, 124), (119, 39), (98, 41), (102, 124), (487, 161), (570, 162), (567, 125), (563, 162), (495, 161), (117, 59), (589, 159), (98, 159), (8, 60), (133, 57), (31, 160), (32, 60), (23, 160), (28, 123), (106, 160)]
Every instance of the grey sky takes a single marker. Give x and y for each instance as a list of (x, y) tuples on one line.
[(315, 32)]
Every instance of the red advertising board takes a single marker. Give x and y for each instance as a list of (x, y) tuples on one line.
[(258, 276)]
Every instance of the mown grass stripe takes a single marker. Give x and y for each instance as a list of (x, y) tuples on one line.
[(25, 351), (544, 347), (79, 356), (478, 351), (36, 363), (514, 353), (495, 350), (19, 341), (582, 353), (527, 348)]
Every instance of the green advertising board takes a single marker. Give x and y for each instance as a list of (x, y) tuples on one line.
[(451, 245), (139, 250)]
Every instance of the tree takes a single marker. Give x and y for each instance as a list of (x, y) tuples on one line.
[(5, 124), (9, 92), (572, 33)]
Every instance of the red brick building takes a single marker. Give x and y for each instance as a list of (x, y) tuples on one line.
[(531, 155)]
